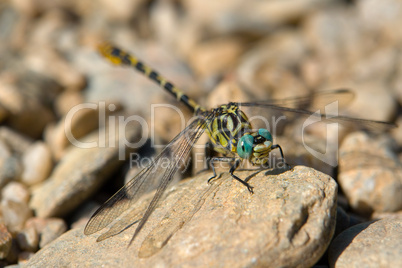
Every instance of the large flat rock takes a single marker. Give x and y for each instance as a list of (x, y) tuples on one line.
[(288, 221)]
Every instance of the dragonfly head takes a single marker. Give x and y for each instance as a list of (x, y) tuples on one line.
[(255, 146)]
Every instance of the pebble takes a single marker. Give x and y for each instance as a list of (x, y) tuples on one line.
[(14, 140), (14, 252), (81, 120), (15, 214), (379, 241), (5, 241), (10, 170), (289, 219), (51, 230), (266, 66), (24, 256), (215, 57), (259, 17), (34, 8), (387, 14), (225, 91), (382, 215), (27, 114), (37, 163), (82, 171), (67, 100), (372, 101), (46, 229), (16, 192), (296, 153), (121, 10), (370, 174), (4, 150), (3, 113), (28, 238), (60, 70)]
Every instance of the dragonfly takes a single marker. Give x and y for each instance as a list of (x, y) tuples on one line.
[(229, 130)]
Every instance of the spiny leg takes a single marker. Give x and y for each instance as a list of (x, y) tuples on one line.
[(231, 171), (218, 159), (277, 146)]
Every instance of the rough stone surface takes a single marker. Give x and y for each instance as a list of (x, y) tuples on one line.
[(80, 173), (289, 218), (370, 244), (370, 174)]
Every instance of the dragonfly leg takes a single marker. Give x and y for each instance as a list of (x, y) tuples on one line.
[(218, 159), (232, 169), (277, 146)]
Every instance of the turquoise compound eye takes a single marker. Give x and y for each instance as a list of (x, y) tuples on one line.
[(265, 133), (245, 146)]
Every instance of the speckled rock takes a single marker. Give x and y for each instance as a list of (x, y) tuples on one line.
[(288, 221), (379, 241)]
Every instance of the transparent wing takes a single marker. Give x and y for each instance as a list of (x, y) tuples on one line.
[(157, 175), (317, 101)]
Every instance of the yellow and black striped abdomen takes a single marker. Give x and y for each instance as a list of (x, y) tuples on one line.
[(226, 128), (120, 57)]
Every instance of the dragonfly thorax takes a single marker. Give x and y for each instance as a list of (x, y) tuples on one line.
[(255, 146), (227, 125)]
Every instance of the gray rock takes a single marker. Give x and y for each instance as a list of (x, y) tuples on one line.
[(379, 241), (288, 221)]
